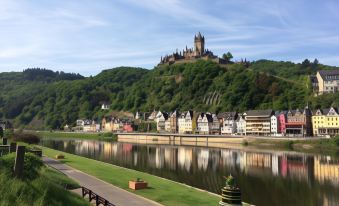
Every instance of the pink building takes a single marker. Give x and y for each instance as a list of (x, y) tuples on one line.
[(127, 126), (282, 118)]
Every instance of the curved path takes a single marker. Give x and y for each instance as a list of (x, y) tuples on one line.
[(113, 194)]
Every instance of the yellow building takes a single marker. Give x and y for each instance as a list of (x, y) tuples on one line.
[(326, 122)]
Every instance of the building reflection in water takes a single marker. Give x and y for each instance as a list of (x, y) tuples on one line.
[(210, 164)]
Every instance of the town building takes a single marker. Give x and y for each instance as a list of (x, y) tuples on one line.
[(258, 122), (137, 115), (204, 123), (152, 116), (192, 54), (241, 125), (127, 125), (299, 123), (327, 81), (275, 124), (215, 125), (90, 126), (105, 106), (107, 124), (282, 119), (173, 122), (326, 122), (160, 119), (185, 122), (228, 122)]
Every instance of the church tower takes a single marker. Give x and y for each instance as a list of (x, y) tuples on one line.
[(199, 44)]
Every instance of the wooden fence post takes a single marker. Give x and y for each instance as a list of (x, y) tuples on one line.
[(19, 161), (12, 148), (4, 141)]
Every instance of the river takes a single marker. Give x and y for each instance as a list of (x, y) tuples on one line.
[(265, 178)]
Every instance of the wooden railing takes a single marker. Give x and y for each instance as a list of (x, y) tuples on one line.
[(93, 196)]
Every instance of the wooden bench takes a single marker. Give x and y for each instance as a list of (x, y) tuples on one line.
[(93, 196)]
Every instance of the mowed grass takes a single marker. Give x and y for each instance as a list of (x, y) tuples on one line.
[(163, 191)]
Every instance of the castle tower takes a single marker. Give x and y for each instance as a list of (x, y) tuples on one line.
[(199, 44)]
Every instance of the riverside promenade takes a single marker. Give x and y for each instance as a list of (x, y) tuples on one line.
[(113, 194)]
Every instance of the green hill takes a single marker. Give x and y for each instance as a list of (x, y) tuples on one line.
[(45, 99)]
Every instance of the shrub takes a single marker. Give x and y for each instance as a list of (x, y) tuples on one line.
[(32, 165), (245, 143), (336, 140), (108, 134), (289, 144), (27, 138)]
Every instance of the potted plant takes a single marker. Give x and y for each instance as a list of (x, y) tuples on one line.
[(137, 184)]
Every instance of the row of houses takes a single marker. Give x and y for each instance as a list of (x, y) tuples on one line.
[(108, 124), (298, 122), (253, 122)]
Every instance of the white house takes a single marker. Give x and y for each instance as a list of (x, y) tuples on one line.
[(153, 115), (204, 123), (229, 123), (241, 125), (90, 126), (274, 125), (105, 106), (160, 119), (185, 123), (137, 115)]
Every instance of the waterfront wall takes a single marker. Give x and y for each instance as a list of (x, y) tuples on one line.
[(178, 139)]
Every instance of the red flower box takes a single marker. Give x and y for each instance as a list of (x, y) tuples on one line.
[(137, 185)]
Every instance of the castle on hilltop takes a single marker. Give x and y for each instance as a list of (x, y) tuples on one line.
[(192, 54)]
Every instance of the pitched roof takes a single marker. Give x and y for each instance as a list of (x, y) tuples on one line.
[(256, 113), (228, 115), (326, 73)]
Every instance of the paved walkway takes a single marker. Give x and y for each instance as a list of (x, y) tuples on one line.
[(110, 192)]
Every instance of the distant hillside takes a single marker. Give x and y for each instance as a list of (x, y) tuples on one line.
[(45, 99)]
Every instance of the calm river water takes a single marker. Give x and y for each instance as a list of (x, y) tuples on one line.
[(265, 178)]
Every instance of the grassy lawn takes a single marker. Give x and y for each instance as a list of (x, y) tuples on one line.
[(47, 188), (161, 190), (98, 136)]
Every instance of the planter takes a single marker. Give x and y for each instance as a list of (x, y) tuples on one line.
[(137, 185)]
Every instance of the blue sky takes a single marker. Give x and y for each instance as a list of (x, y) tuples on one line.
[(86, 36)]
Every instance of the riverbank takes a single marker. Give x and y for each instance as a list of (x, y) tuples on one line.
[(310, 145), (322, 146), (161, 190)]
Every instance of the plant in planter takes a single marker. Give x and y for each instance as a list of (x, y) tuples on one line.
[(137, 184)]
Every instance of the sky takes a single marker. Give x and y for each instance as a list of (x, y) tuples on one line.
[(87, 36)]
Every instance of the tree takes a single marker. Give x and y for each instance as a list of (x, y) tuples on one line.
[(1, 132), (228, 56), (306, 63), (316, 62)]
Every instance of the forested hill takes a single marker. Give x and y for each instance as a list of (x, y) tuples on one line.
[(39, 98)]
